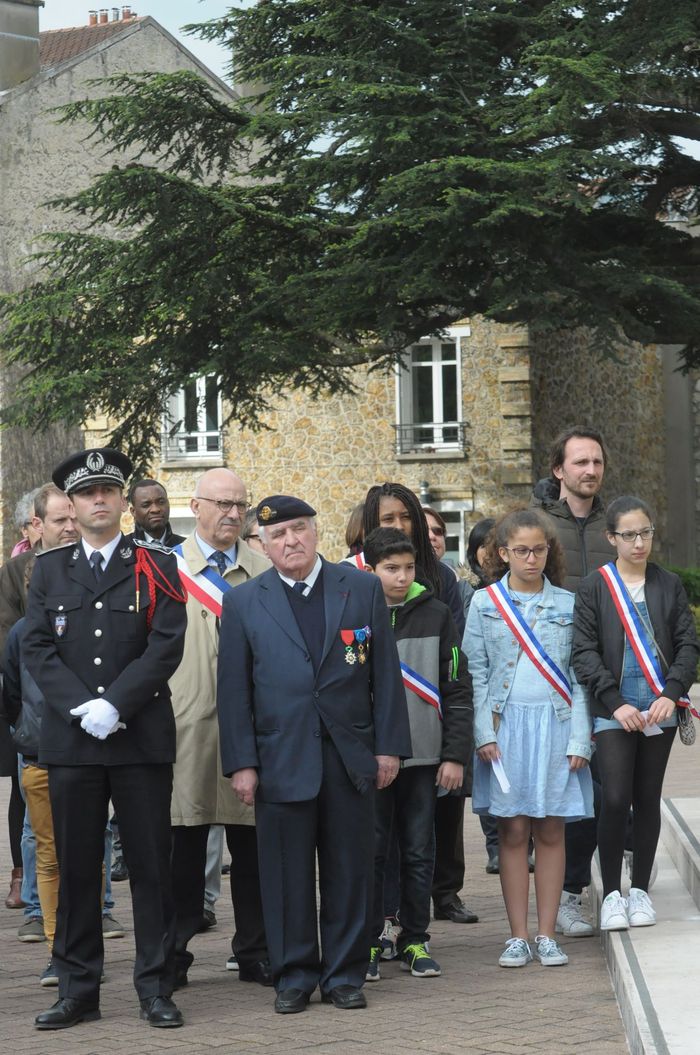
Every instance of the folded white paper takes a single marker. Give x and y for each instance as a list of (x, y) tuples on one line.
[(652, 730), (500, 774)]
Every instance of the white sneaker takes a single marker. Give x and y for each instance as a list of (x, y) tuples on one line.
[(516, 953), (613, 912), (549, 952), (388, 938), (629, 858), (640, 909), (570, 919)]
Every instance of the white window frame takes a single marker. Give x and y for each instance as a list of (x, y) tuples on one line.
[(464, 507), (199, 445), (405, 414)]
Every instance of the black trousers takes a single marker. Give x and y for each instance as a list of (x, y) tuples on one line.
[(448, 877), (79, 803), (338, 826), (188, 864)]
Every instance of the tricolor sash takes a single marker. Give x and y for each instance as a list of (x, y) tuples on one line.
[(358, 559), (207, 586), (637, 633), (528, 640), (422, 687)]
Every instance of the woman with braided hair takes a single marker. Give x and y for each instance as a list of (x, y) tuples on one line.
[(394, 505)]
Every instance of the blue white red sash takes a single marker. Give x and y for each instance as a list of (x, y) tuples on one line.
[(358, 559), (422, 687), (636, 633), (528, 641), (207, 586)]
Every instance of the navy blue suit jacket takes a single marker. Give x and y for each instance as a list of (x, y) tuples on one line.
[(273, 708)]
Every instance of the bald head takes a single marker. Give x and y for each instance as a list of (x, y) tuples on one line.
[(219, 505)]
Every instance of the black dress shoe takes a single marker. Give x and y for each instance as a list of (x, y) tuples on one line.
[(161, 1011), (346, 997), (259, 972), (493, 865), (455, 910), (208, 921), (119, 870), (291, 1001), (67, 1012)]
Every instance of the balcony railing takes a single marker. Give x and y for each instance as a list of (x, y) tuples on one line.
[(431, 437), (179, 446)]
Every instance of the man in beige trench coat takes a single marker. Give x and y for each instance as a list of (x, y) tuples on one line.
[(201, 795)]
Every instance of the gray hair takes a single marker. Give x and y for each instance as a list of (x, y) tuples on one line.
[(250, 522), (24, 510)]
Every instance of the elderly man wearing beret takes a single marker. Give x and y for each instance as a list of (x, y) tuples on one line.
[(105, 630), (312, 717)]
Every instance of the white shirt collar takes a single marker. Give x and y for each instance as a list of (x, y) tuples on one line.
[(309, 579), (207, 551), (106, 550)]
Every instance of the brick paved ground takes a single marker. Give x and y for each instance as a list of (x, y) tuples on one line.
[(474, 1007)]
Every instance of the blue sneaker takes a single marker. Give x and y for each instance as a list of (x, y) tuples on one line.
[(373, 974), (517, 953), (48, 976), (416, 958)]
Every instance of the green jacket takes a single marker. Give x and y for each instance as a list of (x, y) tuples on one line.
[(585, 545)]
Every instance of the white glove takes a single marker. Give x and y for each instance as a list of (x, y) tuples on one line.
[(98, 718)]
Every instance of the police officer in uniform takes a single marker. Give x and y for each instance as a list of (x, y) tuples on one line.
[(105, 631)]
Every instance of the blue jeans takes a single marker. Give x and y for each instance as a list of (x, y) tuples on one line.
[(30, 890), (408, 804)]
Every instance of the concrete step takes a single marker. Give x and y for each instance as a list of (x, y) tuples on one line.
[(680, 832), (653, 968)]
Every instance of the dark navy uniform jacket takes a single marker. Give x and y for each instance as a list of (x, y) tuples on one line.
[(86, 639), (274, 708)]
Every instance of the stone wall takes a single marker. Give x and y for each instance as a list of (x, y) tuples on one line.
[(574, 383), (332, 449), (41, 160)]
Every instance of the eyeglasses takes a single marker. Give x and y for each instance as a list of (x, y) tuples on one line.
[(436, 531), (523, 552), (224, 506), (631, 536)]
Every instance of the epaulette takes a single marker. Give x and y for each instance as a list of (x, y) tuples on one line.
[(152, 545), (54, 549)]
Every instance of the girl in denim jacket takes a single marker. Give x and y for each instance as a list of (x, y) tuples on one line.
[(542, 741)]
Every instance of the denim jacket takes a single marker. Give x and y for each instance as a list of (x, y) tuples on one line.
[(493, 652)]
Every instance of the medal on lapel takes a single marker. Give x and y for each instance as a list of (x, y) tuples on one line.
[(356, 644), (60, 624), (361, 637), (348, 639)]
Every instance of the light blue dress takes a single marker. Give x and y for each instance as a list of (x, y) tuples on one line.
[(533, 736)]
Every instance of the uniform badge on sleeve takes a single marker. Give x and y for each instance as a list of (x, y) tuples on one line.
[(60, 625)]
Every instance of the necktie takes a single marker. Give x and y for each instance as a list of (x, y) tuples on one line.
[(219, 559), (299, 587), (96, 559)]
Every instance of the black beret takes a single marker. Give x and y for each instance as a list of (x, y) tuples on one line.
[(96, 465), (278, 508)]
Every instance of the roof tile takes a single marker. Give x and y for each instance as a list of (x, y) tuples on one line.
[(59, 45)]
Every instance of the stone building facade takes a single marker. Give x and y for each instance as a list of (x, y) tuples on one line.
[(516, 393), (41, 160), (466, 424)]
